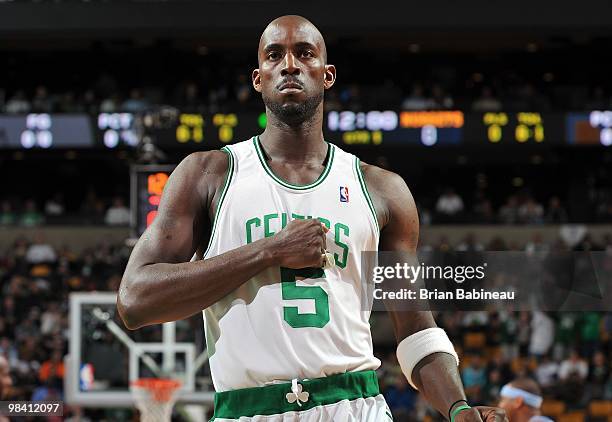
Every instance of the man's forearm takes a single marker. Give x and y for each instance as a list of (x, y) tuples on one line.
[(162, 292), (437, 378)]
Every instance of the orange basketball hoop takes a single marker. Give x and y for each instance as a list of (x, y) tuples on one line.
[(155, 398)]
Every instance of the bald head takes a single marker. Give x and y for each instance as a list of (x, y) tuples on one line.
[(286, 25), (527, 384)]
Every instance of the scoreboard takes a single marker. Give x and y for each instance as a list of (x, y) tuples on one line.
[(147, 184), (384, 128), (594, 128)]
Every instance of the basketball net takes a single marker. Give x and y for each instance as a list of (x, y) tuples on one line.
[(155, 398)]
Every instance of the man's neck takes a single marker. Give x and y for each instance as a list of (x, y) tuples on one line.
[(301, 143)]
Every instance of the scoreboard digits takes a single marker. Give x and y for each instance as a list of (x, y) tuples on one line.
[(522, 127), (226, 124), (37, 132), (190, 128), (386, 128)]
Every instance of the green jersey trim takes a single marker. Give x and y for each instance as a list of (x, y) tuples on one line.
[(272, 399), (285, 184), (226, 183), (366, 193)]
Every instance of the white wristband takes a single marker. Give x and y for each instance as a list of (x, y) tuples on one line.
[(415, 347)]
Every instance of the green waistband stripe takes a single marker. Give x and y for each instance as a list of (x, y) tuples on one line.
[(272, 399)]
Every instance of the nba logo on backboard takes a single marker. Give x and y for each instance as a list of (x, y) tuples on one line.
[(344, 197)]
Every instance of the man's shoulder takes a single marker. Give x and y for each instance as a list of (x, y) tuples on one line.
[(380, 179), (205, 163)]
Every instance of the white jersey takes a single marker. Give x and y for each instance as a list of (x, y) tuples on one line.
[(284, 324)]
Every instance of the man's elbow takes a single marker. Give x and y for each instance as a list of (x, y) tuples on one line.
[(128, 310)]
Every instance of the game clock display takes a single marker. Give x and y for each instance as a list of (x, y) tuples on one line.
[(378, 128)]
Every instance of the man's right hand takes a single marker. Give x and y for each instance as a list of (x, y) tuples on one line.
[(300, 244)]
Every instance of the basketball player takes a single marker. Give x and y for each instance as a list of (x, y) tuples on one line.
[(521, 399), (279, 281)]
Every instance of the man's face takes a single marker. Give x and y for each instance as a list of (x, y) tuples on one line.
[(292, 73), (516, 409)]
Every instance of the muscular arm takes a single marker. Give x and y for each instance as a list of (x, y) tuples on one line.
[(159, 283), (436, 375)]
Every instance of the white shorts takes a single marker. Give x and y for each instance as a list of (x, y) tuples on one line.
[(349, 397)]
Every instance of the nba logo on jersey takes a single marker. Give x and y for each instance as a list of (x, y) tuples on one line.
[(344, 197)]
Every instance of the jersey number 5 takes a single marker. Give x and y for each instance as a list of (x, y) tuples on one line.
[(292, 291)]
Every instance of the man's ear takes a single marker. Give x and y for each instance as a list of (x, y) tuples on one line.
[(518, 402), (330, 76), (256, 78)]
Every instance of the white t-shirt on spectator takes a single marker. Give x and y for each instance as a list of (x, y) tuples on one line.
[(546, 373), (568, 367), (449, 204), (117, 216), (542, 333), (40, 252)]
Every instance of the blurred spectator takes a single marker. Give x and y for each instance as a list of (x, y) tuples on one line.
[(41, 103), (89, 102), (469, 244), (47, 391), (486, 101), (556, 214), (531, 212), (573, 372), (542, 334), (599, 373), (188, 97), (574, 367), (244, 89), (18, 103), (7, 215), (54, 207), (417, 100), (537, 244), (50, 320), (40, 251), (332, 101), (110, 104), (93, 208), (351, 97), (52, 368), (68, 103), (474, 378), (31, 216), (494, 384), (546, 373), (598, 99), (483, 211), (589, 333), (135, 102), (508, 213), (401, 399), (523, 333), (441, 99), (449, 205), (118, 214)]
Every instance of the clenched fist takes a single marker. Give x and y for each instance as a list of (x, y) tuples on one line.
[(300, 244), (482, 414)]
